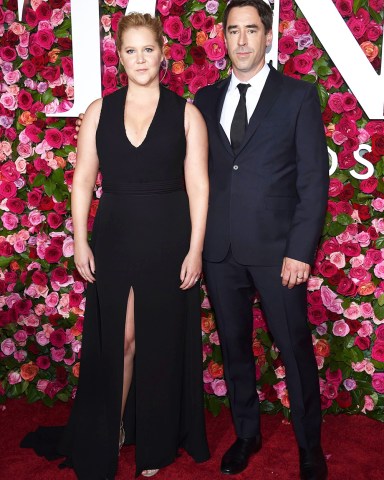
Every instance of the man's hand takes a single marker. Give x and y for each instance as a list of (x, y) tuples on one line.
[(294, 272), (78, 123)]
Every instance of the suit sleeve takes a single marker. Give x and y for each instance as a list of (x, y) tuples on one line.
[(312, 180)]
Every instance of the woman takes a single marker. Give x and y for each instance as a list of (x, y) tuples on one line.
[(141, 356)]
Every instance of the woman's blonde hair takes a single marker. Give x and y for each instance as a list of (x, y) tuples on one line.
[(136, 20)]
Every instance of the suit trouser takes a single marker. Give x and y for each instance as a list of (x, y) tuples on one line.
[(231, 288)]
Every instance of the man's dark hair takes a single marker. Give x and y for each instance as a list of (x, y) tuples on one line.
[(264, 11)]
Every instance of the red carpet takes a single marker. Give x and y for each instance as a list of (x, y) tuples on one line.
[(353, 445)]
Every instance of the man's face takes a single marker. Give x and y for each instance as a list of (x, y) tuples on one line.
[(246, 41)]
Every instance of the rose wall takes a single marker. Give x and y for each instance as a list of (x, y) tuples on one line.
[(41, 294)]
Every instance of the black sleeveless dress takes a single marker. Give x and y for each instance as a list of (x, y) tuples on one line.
[(140, 238)]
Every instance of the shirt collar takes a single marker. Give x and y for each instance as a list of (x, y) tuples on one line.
[(256, 81)]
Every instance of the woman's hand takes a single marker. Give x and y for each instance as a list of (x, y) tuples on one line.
[(84, 261), (190, 270)]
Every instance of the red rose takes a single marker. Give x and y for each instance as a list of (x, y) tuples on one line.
[(59, 275), (345, 7), (185, 38), (109, 80), (67, 64), (335, 378), (177, 52), (16, 205), (11, 133), (43, 12), (378, 351), (378, 144), (354, 326), (8, 189), (335, 279), (57, 3), (350, 249), (23, 306), (61, 375), (65, 43), (32, 133), (208, 24), (363, 211), (25, 100), (346, 160), (198, 82), (54, 137), (347, 127), (269, 392), (43, 362), (303, 63), (54, 220), (60, 208), (50, 73), (362, 342), (197, 19), (68, 176), (34, 198), (286, 5), (302, 27), (74, 299), (53, 254), (8, 54), (369, 185), (376, 5), (347, 287), (344, 399), (328, 269), (110, 58), (374, 31), (58, 338), (38, 53), (42, 166), (46, 203), (28, 69), (44, 38), (287, 44), (198, 54), (317, 314), (31, 17), (6, 249), (115, 20), (39, 278), (173, 26), (356, 26), (53, 388)]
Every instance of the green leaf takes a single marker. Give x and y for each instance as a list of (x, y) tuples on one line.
[(58, 176), (49, 187), (39, 180), (375, 15), (324, 71), (381, 300), (335, 229), (309, 78), (356, 5), (267, 406), (5, 261), (344, 219), (379, 311), (47, 97), (213, 404), (380, 243), (323, 95)]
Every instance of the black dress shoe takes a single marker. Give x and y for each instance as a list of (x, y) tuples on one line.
[(235, 460), (313, 465)]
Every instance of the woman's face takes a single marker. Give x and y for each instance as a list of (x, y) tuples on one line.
[(140, 55)]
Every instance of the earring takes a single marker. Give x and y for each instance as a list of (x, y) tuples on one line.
[(164, 67)]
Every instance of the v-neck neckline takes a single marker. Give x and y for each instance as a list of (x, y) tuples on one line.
[(150, 125)]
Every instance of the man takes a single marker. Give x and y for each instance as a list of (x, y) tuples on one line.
[(268, 193)]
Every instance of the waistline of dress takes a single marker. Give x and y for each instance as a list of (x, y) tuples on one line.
[(145, 188)]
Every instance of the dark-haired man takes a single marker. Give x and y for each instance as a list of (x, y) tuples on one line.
[(268, 169)]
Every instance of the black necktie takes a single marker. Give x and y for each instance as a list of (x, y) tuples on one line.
[(240, 119)]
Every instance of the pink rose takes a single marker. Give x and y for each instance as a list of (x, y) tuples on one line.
[(52, 299), (376, 5), (42, 385), (215, 48), (8, 101), (356, 26), (378, 204), (44, 38), (177, 52), (378, 351), (10, 221), (57, 354), (8, 346), (164, 7), (340, 328), (54, 137), (41, 338), (14, 377), (338, 259), (367, 311), (57, 17), (314, 283), (352, 312), (369, 185), (379, 270), (335, 187), (378, 382), (21, 337), (380, 333), (345, 7), (335, 102), (35, 217), (360, 273), (68, 247), (219, 387), (366, 329), (369, 404), (330, 300)]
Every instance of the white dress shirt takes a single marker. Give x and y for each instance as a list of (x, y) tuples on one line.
[(233, 95)]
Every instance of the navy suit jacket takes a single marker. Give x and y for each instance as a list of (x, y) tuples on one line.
[(269, 199)]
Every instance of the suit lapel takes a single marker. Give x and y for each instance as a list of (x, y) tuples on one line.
[(222, 87), (267, 99)]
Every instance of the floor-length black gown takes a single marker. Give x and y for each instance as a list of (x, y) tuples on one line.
[(140, 238)]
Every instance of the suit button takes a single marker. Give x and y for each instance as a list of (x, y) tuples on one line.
[(235, 167)]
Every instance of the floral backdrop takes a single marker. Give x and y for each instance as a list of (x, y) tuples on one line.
[(41, 294)]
